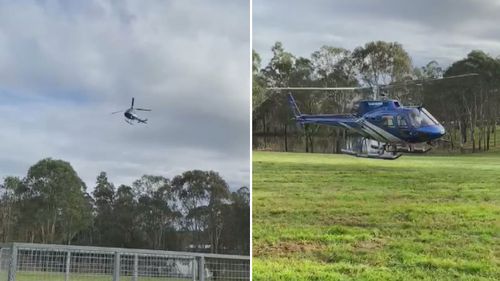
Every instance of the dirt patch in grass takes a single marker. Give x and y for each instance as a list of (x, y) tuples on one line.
[(367, 246), (282, 249), (347, 221)]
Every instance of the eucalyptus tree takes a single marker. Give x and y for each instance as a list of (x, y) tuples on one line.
[(478, 97), (334, 67), (157, 208), (126, 223), (8, 210), (382, 62), (236, 235), (104, 196), (258, 82), (280, 67), (54, 202), (202, 196)]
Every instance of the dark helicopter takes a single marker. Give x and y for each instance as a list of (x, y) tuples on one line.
[(379, 128), (131, 116)]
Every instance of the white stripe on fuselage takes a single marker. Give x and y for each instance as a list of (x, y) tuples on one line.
[(388, 137), (372, 134), (345, 125)]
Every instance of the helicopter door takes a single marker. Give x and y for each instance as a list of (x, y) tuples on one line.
[(403, 125)]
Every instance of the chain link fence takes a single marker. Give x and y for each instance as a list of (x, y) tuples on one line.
[(27, 262)]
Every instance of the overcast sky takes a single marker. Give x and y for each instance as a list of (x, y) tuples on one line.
[(444, 30), (66, 65)]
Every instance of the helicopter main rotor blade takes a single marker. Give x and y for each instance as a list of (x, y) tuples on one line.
[(316, 89), (450, 77), (143, 109), (116, 112), (457, 76), (420, 82), (132, 105), (319, 88), (369, 88)]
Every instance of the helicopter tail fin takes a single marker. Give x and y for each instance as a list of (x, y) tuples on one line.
[(293, 106)]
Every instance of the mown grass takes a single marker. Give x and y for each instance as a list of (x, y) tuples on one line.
[(336, 217)]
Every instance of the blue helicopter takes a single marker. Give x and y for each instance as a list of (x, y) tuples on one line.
[(382, 128), (130, 114), (378, 128)]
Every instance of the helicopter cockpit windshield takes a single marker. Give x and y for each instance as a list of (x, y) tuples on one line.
[(421, 118)]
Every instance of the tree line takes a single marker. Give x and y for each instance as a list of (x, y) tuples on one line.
[(194, 211), (468, 107)]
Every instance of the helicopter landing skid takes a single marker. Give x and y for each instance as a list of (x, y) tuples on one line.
[(367, 148), (418, 149), (386, 155), (129, 122)]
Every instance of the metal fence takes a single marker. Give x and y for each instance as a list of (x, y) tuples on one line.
[(40, 262)]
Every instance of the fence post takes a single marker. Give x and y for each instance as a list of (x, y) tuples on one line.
[(116, 269), (13, 262), (136, 267), (201, 268), (193, 269), (68, 264)]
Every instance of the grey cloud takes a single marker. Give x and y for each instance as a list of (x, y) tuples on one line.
[(64, 66), (425, 28)]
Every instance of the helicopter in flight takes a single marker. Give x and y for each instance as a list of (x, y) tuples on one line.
[(131, 116), (378, 128)]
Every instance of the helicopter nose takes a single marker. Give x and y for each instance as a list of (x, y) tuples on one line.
[(432, 132)]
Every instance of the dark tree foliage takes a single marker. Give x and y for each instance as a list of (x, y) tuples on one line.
[(195, 211), (470, 109), (104, 196)]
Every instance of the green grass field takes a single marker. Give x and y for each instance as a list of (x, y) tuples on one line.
[(336, 217)]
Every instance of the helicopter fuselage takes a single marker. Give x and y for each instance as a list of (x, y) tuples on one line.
[(385, 121), (130, 114), (403, 124), (393, 127)]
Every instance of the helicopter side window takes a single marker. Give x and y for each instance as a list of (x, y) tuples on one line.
[(388, 121), (402, 122)]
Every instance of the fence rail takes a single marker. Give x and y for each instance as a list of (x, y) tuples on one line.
[(22, 261)]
